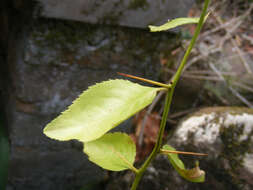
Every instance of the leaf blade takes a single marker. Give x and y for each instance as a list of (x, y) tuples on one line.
[(113, 151), (100, 108), (174, 23), (193, 175)]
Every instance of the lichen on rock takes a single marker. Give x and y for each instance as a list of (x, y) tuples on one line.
[(226, 134)]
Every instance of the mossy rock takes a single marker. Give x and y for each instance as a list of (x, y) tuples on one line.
[(226, 134)]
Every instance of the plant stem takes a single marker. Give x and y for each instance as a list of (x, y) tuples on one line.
[(168, 100), (157, 147), (193, 41)]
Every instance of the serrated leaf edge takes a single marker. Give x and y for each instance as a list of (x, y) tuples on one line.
[(76, 101)]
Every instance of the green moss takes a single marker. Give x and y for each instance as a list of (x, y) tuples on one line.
[(55, 33), (234, 151), (110, 18), (136, 4)]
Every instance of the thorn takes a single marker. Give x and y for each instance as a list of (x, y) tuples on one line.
[(144, 80), (180, 152)]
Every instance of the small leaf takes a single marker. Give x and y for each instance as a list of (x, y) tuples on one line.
[(193, 175), (99, 109), (113, 151), (174, 23)]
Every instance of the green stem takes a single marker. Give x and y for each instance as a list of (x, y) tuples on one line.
[(157, 147), (168, 100), (193, 41)]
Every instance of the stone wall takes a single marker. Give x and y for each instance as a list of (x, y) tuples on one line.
[(131, 13)]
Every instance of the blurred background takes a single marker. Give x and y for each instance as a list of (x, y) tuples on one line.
[(51, 51)]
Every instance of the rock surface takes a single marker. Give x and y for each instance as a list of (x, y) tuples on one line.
[(131, 13), (225, 133)]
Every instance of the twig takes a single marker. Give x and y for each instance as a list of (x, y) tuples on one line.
[(209, 72), (229, 36), (211, 78), (181, 113), (194, 60), (236, 23), (237, 94), (209, 32), (198, 72), (196, 77), (201, 56), (243, 86), (171, 121), (150, 109), (244, 61), (249, 38), (233, 56), (226, 24)]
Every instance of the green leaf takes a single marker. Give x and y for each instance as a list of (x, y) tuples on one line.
[(113, 151), (193, 175), (174, 23), (99, 109)]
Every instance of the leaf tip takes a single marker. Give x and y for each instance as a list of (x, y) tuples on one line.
[(152, 28)]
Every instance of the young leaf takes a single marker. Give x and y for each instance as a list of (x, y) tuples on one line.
[(99, 109), (113, 151), (193, 175), (174, 23)]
